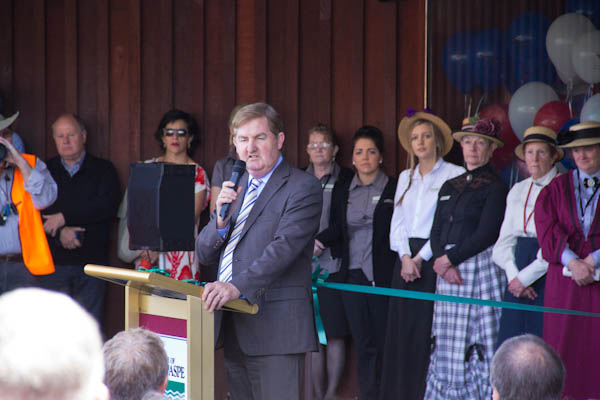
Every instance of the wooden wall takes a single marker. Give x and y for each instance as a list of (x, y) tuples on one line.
[(120, 64)]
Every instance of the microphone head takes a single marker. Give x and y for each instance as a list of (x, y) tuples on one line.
[(239, 166)]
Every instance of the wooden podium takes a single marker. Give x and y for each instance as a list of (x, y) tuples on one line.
[(153, 295)]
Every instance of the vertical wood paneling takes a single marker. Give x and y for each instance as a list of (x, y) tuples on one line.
[(380, 75), (6, 49), (348, 68), (29, 94), (188, 60), (125, 79), (219, 86), (157, 70), (61, 42), (315, 68), (93, 68), (283, 69), (411, 63)]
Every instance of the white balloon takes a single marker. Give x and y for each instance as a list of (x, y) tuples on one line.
[(591, 109), (560, 39), (586, 57), (526, 102)]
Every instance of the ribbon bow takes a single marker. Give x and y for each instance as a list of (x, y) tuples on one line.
[(411, 111), (318, 277)]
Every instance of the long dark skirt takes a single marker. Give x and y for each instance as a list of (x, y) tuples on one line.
[(408, 338), (515, 322)]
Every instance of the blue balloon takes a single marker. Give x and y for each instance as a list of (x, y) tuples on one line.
[(488, 55), (457, 63), (589, 8), (527, 55), (567, 161)]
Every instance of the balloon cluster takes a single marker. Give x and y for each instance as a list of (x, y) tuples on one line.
[(528, 57)]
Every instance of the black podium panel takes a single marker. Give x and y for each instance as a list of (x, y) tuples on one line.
[(160, 207)]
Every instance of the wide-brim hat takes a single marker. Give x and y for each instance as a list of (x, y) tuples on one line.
[(413, 115), (6, 122), (482, 127), (583, 134), (538, 134)]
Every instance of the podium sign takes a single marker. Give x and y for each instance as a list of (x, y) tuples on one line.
[(170, 307)]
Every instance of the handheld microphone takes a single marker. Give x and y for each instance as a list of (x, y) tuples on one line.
[(239, 167)]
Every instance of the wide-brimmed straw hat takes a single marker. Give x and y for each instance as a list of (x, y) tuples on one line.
[(538, 134), (6, 122), (482, 127), (583, 134), (427, 115)]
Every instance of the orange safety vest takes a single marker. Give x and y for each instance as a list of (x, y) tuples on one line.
[(34, 245)]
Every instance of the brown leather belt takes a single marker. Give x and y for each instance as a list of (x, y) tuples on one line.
[(11, 258)]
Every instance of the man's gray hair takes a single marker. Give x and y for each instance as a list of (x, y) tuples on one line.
[(50, 348), (136, 362), (526, 368)]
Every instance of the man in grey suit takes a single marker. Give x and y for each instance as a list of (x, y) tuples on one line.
[(264, 252)]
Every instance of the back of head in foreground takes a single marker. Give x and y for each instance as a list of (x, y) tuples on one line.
[(526, 368), (50, 348), (136, 362)]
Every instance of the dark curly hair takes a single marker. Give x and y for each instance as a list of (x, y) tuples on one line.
[(176, 115)]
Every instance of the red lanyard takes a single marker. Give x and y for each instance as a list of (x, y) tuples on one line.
[(525, 218)]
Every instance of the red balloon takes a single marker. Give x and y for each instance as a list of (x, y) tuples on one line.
[(552, 115), (502, 156)]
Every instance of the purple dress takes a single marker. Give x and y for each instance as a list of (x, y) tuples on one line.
[(574, 338)]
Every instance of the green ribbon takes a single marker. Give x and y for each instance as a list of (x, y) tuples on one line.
[(155, 270), (318, 279), (410, 294)]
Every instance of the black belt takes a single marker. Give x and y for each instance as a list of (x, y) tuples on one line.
[(11, 258)]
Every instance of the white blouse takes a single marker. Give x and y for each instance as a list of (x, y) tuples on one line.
[(519, 222), (414, 217)]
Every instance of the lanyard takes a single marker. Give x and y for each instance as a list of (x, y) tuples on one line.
[(583, 209), (525, 218)]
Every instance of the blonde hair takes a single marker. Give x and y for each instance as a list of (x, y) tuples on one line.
[(412, 159)]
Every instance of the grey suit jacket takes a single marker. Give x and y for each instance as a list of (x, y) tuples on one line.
[(272, 263)]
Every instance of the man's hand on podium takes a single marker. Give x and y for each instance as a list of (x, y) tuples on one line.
[(216, 294)]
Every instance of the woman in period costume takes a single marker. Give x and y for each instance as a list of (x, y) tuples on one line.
[(466, 225), (567, 222), (426, 138), (328, 363), (358, 233), (517, 250)]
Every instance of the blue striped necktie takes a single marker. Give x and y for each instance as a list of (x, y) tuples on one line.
[(225, 270)]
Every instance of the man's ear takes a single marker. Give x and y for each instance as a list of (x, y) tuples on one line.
[(163, 387)]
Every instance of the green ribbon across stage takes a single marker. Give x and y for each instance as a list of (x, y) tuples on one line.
[(320, 277)]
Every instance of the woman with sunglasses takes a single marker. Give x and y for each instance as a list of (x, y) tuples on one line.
[(178, 135)]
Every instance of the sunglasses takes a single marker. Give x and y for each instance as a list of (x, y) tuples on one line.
[(179, 132)]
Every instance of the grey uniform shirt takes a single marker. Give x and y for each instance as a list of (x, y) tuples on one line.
[(327, 183), (362, 200), (42, 189)]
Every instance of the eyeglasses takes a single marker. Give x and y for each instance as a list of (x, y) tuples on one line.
[(178, 132), (314, 146)]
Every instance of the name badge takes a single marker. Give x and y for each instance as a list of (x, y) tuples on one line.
[(376, 199), (328, 187), (388, 201), (444, 198)]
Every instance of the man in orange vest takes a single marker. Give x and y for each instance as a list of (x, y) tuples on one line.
[(26, 187)]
